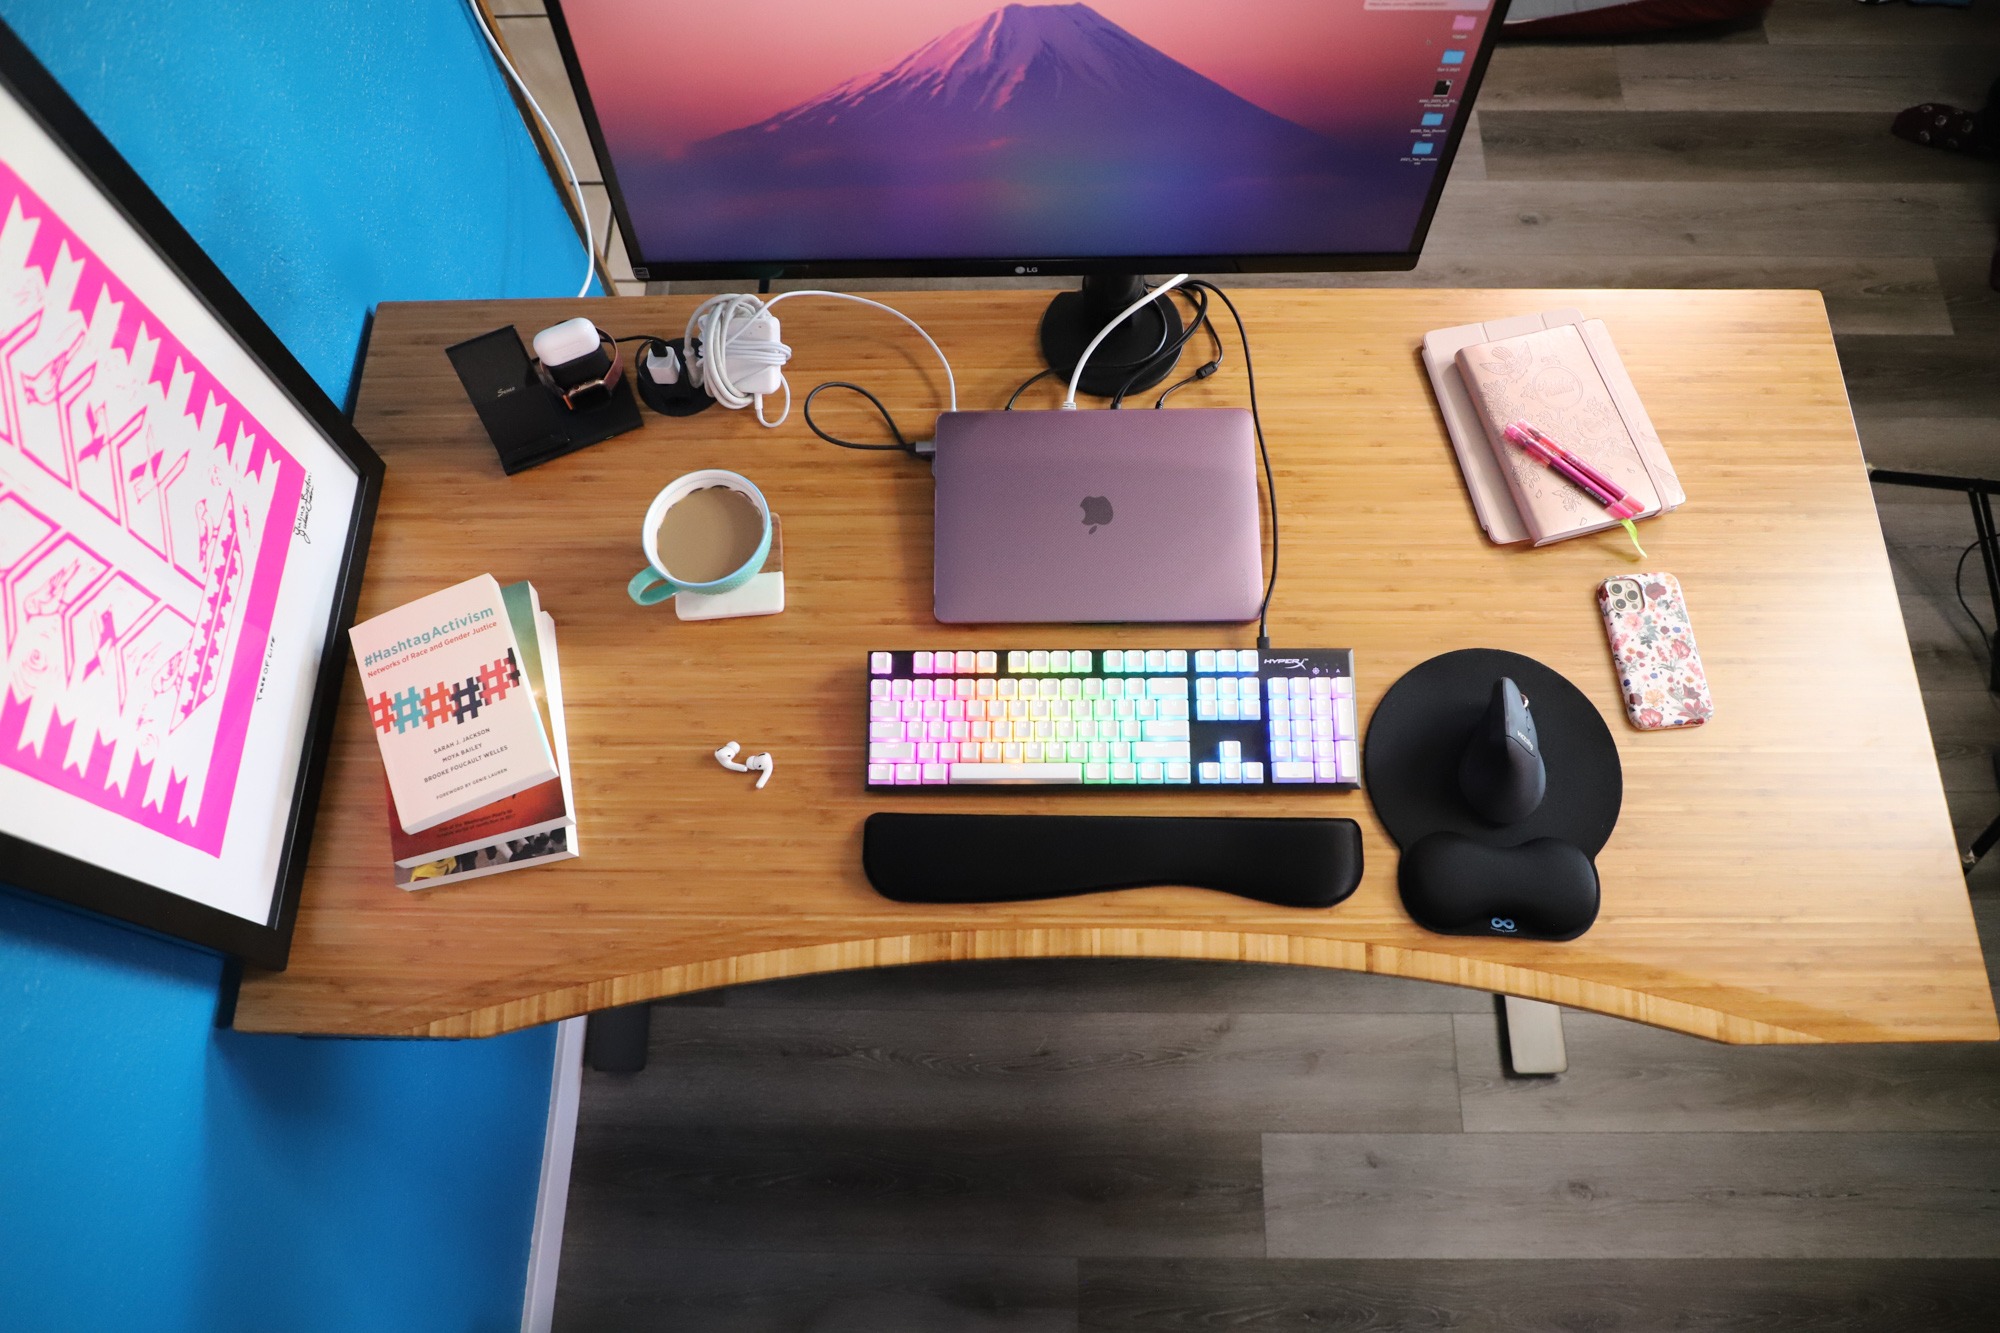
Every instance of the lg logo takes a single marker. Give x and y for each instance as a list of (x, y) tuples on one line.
[(1504, 925), (1027, 268), (1097, 513)]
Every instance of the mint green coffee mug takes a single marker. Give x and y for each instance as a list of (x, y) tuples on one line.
[(656, 583)]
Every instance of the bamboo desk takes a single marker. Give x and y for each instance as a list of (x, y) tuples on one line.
[(1785, 874)]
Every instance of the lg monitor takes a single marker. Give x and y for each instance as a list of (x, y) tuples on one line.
[(953, 138)]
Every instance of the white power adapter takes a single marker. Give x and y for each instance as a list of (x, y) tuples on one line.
[(738, 357), (758, 345), (738, 354)]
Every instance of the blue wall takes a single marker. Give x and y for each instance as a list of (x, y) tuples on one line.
[(156, 1174)]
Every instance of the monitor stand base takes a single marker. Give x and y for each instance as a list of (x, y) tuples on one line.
[(1134, 357)]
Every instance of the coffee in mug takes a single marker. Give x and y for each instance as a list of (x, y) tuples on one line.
[(709, 534)]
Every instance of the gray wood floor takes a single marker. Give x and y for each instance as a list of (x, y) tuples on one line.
[(1137, 1145)]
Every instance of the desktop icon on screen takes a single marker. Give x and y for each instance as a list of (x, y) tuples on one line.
[(1432, 118), (1454, 57), (1422, 148), (1442, 88), (1464, 23)]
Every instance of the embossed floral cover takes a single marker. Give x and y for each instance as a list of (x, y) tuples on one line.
[(1569, 382)]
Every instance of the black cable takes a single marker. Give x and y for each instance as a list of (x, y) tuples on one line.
[(1201, 372), (902, 445), (1198, 303), (1958, 587), (1270, 482), (1025, 384)]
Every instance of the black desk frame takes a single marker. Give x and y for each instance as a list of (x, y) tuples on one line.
[(1979, 494)]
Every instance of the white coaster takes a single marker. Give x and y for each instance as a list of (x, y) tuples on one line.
[(763, 595)]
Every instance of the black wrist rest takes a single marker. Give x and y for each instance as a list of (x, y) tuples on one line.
[(960, 858)]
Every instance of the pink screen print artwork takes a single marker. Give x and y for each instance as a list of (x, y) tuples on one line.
[(145, 517)]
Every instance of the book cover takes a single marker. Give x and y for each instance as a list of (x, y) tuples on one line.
[(456, 726), (521, 852), (1492, 502), (538, 809), (524, 617), (1555, 379)]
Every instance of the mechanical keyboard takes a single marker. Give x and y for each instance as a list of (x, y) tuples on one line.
[(1111, 717)]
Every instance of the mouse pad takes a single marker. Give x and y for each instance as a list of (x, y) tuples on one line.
[(1410, 762)]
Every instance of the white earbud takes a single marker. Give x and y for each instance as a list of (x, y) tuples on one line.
[(760, 764)]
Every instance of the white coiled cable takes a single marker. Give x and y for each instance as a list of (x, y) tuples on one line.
[(732, 348)]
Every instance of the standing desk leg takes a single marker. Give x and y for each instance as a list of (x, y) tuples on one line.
[(1985, 841), (1533, 1033), (538, 1303), (1989, 554), (615, 1041), (1979, 491)]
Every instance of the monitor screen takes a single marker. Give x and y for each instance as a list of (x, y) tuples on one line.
[(909, 136)]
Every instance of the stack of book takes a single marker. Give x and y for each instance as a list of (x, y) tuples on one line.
[(464, 692), (1560, 373)]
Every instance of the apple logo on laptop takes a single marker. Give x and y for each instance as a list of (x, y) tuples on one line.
[(1096, 511)]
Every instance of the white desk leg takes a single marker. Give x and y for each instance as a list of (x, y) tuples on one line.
[(538, 1302), (1534, 1036)]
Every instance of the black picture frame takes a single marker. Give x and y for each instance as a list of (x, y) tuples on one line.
[(651, 269), (32, 866)]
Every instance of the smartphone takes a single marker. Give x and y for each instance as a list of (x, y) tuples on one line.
[(1652, 645)]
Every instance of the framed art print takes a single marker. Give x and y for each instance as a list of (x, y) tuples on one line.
[(183, 520)]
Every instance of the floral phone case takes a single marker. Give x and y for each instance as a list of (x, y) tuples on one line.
[(1652, 644)]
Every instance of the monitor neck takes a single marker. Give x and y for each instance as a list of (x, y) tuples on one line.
[(1134, 357)]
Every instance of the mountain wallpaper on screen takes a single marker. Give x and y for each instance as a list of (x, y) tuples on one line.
[(1038, 130)]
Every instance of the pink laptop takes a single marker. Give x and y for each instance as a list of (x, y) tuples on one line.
[(1097, 516)]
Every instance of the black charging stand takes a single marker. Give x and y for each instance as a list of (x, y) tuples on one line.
[(680, 399), (1134, 357), (527, 422)]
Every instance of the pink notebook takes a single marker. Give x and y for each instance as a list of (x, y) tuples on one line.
[(1568, 381)]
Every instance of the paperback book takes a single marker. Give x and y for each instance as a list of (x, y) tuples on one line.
[(456, 724), (529, 845), (542, 808)]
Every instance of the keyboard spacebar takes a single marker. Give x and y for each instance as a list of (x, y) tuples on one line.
[(1048, 773)]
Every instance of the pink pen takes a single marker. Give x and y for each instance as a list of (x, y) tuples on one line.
[(1573, 470)]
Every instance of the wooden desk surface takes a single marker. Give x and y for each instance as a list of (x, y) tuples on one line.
[(1785, 874)]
